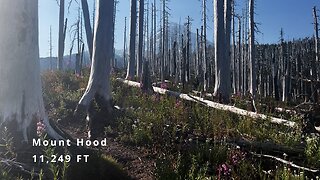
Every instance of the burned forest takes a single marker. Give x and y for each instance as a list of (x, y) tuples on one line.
[(159, 89)]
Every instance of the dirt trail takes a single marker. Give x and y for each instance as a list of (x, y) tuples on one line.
[(138, 162)]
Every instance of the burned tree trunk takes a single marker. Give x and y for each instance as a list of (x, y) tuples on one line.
[(140, 42), (62, 35), (145, 83), (315, 62), (87, 25), (125, 43), (21, 101), (222, 64), (240, 85), (183, 64), (252, 61), (204, 46), (234, 59), (187, 65), (99, 86), (132, 46)]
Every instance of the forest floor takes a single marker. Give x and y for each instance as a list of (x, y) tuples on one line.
[(153, 136), (138, 162)]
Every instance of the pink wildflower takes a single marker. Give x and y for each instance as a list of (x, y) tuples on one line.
[(164, 85), (41, 128)]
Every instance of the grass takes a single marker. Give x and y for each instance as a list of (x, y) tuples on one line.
[(181, 129), (189, 138)]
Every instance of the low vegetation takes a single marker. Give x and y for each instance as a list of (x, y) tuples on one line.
[(190, 141)]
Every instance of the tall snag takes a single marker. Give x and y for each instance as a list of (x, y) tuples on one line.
[(252, 68), (132, 45), (99, 87), (315, 62), (141, 39), (87, 25), (62, 35), (21, 101), (204, 46), (222, 20)]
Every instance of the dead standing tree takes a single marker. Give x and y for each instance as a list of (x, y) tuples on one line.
[(252, 60), (239, 69), (222, 17), (315, 62), (234, 59), (132, 45), (21, 101), (154, 48), (125, 43), (99, 86), (204, 46), (188, 44), (87, 25), (62, 34), (50, 49), (164, 38), (141, 39), (80, 45)]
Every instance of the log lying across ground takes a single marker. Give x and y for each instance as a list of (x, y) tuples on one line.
[(289, 163), (214, 104)]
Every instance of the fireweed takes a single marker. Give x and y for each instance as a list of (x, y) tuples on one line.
[(164, 85), (41, 128)]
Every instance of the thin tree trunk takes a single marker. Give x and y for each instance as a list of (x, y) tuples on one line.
[(125, 43), (140, 42), (240, 85), (234, 60), (315, 64), (197, 64), (154, 36), (62, 32), (162, 60), (132, 46), (50, 50), (113, 60), (188, 51), (87, 25), (252, 62), (183, 63), (204, 46), (151, 46)]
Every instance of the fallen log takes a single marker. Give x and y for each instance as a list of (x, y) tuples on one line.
[(269, 147), (283, 110), (215, 105), (289, 163)]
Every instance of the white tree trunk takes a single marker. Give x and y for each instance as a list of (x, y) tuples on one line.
[(222, 63), (99, 80), (21, 92)]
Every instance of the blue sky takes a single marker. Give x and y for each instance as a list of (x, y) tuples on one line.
[(294, 16)]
